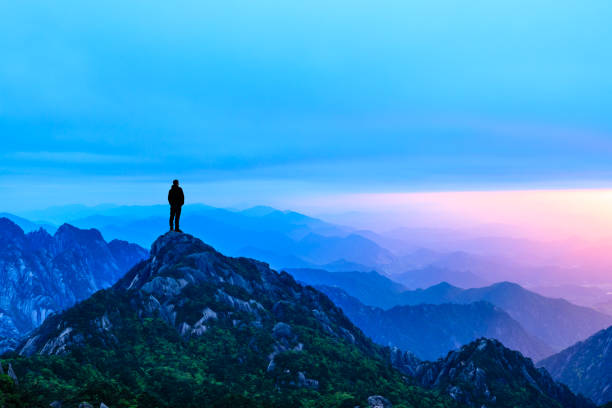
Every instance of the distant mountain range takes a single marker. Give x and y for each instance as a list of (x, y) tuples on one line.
[(231, 331), (281, 238), (555, 322), (605, 307), (431, 331), (589, 296), (41, 274), (431, 275), (417, 258), (190, 327), (586, 367), (29, 226), (371, 288)]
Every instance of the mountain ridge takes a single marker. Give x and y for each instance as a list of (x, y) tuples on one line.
[(586, 367), (371, 288), (42, 274), (216, 331), (431, 331), (191, 327), (484, 373), (557, 322)]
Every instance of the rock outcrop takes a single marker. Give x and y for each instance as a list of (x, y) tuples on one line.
[(586, 367), (484, 373), (245, 322), (42, 274), (377, 401), (191, 327)]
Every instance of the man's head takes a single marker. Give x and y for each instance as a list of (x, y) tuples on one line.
[(175, 182)]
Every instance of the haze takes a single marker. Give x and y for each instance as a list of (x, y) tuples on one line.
[(482, 115)]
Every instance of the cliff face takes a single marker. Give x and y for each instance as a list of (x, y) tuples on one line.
[(192, 327), (484, 373), (165, 287), (42, 274)]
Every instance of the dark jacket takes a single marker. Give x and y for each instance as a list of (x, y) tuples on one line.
[(176, 197)]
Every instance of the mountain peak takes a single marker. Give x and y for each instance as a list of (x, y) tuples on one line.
[(10, 230), (585, 366), (259, 211), (179, 244), (482, 372), (39, 239), (442, 285), (234, 314), (180, 259), (42, 274), (70, 233), (507, 285)]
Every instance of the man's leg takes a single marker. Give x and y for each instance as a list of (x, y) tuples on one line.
[(172, 211), (177, 219)]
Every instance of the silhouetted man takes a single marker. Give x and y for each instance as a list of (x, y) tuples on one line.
[(176, 200)]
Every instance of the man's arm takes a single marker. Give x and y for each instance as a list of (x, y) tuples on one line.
[(169, 201), (182, 197)]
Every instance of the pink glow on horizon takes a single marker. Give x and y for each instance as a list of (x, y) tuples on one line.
[(571, 229), (549, 215)]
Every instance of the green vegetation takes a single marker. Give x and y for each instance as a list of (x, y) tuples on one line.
[(122, 351), (193, 328), (10, 396), (154, 367), (485, 373)]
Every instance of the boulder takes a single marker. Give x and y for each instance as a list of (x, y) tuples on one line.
[(282, 330), (377, 401), (306, 382), (11, 374)]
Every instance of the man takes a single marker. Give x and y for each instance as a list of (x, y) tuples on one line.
[(176, 200)]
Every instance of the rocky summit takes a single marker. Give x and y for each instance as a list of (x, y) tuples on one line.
[(41, 274), (586, 367), (484, 373), (191, 327)]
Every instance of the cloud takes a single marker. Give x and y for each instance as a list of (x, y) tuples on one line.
[(73, 157)]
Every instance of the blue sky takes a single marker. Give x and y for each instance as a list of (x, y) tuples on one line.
[(254, 101)]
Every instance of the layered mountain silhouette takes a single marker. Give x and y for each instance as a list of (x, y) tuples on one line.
[(371, 288), (432, 275), (417, 258), (431, 331), (27, 225), (281, 238), (484, 373), (586, 367), (555, 321), (191, 327), (41, 274)]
